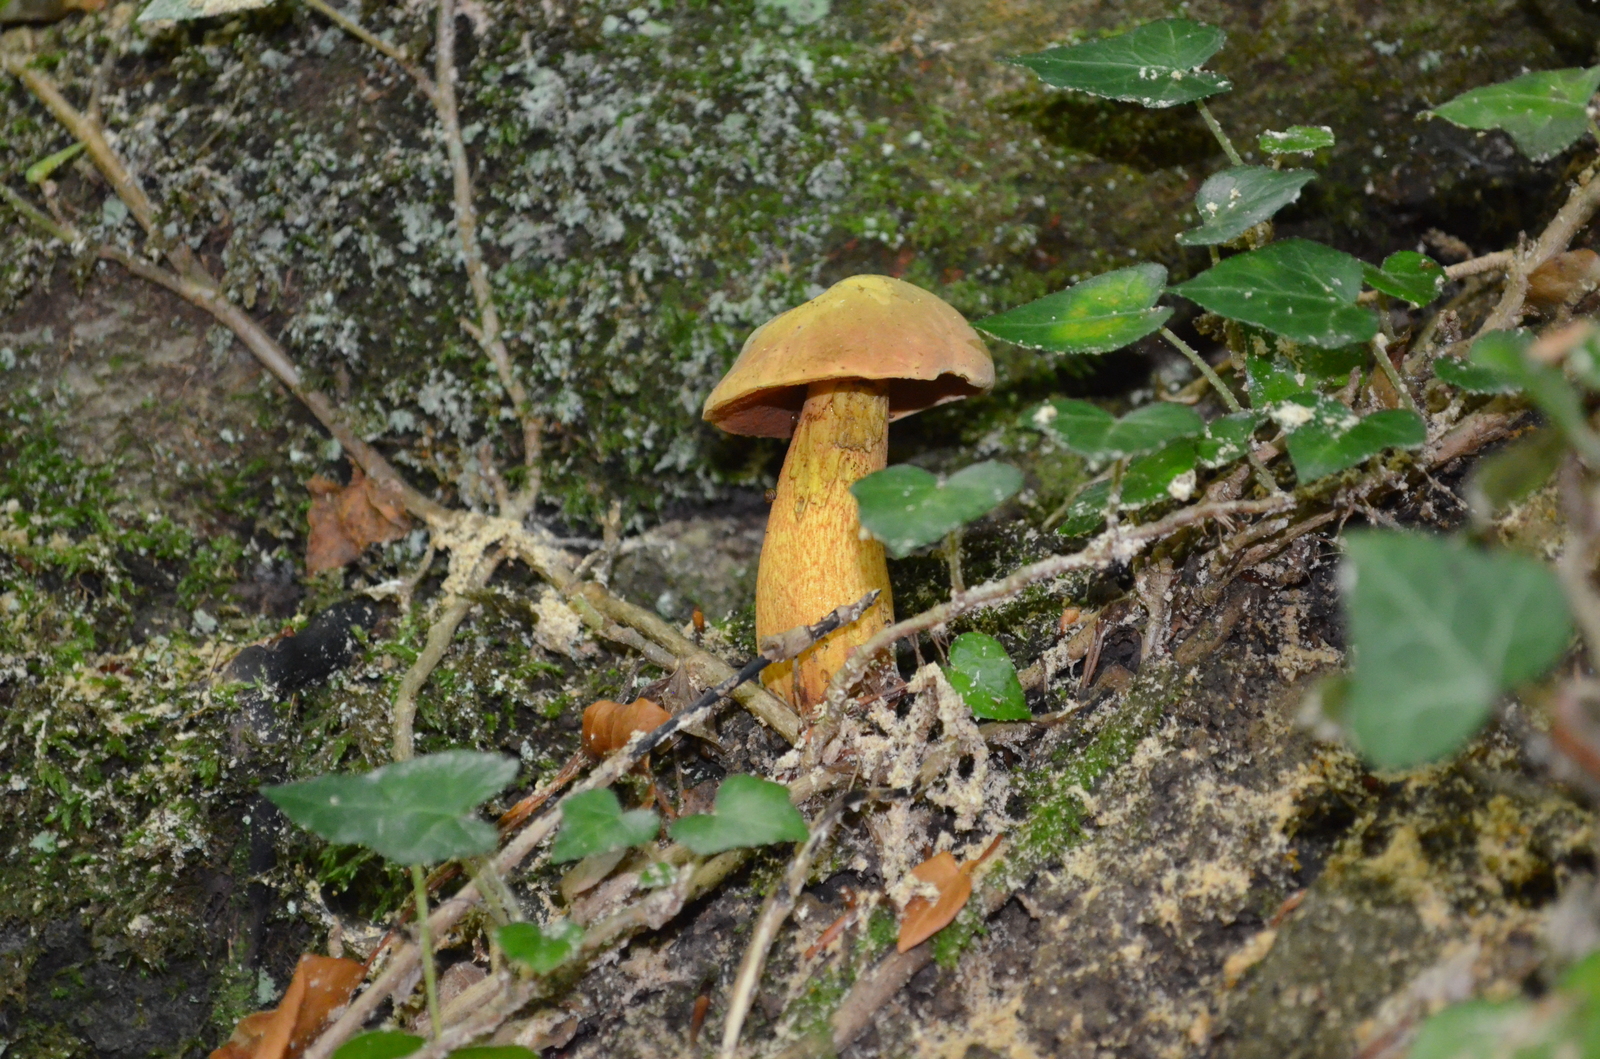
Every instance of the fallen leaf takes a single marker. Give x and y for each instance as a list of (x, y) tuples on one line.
[(1564, 278), (321, 986), (607, 725), (345, 519), (924, 917)]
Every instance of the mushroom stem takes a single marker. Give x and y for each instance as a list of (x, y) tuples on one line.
[(813, 558)]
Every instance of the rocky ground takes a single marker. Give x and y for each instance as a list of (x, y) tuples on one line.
[(1193, 871)]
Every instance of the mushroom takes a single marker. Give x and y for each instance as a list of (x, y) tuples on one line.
[(833, 374)]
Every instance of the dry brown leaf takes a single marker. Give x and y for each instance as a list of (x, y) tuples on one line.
[(345, 519), (608, 725), (923, 918), (1564, 278), (321, 986)]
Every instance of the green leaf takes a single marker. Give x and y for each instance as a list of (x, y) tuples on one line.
[(412, 812), (1296, 288), (1474, 1030), (1543, 112), (1227, 438), (1087, 510), (1407, 274), (1500, 480), (493, 1051), (1473, 378), (183, 9), (1326, 437), (656, 874), (1166, 474), (40, 171), (1091, 431), (379, 1044), (906, 507), (1235, 200), (593, 822), (982, 674), (1098, 315), (1504, 353), (1438, 630), (1269, 380), (542, 949), (748, 812), (1296, 139), (1156, 65)]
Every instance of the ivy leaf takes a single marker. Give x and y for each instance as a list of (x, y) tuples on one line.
[(1504, 354), (1296, 288), (379, 1044), (1473, 378), (1500, 480), (1166, 474), (1087, 510), (1098, 315), (411, 812), (40, 171), (1233, 201), (1476, 1029), (984, 677), (1270, 380), (1544, 112), (542, 949), (1296, 139), (1439, 630), (593, 822), (183, 9), (1407, 274), (1227, 438), (747, 812), (1091, 431), (1156, 65), (1326, 437), (906, 507)]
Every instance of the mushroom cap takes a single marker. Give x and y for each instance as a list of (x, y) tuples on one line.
[(865, 327)]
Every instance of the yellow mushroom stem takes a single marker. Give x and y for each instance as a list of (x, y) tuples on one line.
[(813, 558)]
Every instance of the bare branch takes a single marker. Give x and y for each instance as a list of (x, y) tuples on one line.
[(1568, 221), (376, 43)]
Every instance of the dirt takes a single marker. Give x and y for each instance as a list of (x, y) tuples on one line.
[(1193, 872)]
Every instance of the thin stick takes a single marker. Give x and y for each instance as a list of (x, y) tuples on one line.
[(1216, 130), (773, 913), (449, 913), (1205, 369), (1380, 353), (430, 974), (952, 557), (1121, 545), (488, 331), (38, 218), (1573, 215), (377, 44), (122, 181), (1263, 476)]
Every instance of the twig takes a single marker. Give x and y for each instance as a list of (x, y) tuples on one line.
[(773, 913), (1380, 353), (1118, 546), (450, 912), (1573, 215), (377, 44), (430, 977), (1263, 476), (38, 218), (1487, 263), (703, 665), (488, 331), (440, 633), (1216, 130), (122, 181)]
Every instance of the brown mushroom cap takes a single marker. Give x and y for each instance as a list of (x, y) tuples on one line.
[(864, 327)]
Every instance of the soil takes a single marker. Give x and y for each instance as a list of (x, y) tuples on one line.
[(1193, 869)]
